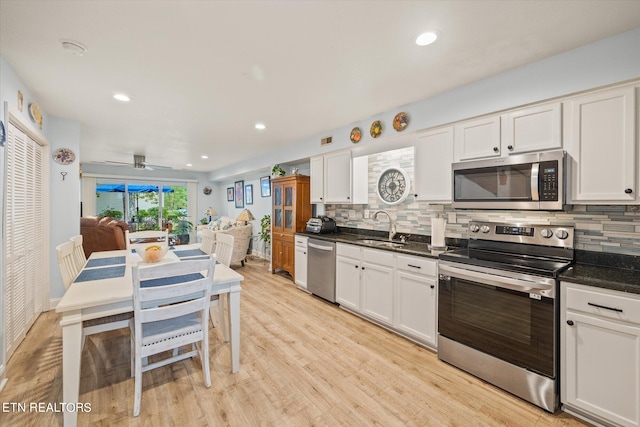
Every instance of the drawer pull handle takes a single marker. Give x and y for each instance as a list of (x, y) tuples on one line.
[(619, 310), (414, 266)]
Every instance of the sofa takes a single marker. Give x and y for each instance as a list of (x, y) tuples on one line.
[(101, 233), (240, 232)]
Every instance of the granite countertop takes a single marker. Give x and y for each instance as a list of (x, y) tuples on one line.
[(416, 245), (608, 271)]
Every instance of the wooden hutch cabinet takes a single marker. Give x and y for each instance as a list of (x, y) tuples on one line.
[(291, 211)]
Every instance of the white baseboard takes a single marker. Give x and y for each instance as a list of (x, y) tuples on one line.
[(53, 303)]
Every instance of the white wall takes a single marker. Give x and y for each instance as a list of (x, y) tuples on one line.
[(607, 61), (65, 195)]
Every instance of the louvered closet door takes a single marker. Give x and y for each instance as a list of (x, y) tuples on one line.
[(25, 272)]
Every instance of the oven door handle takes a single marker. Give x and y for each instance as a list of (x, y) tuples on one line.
[(495, 280)]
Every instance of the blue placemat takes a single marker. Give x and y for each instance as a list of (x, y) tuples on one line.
[(190, 252), (102, 262), (163, 281), (101, 273)]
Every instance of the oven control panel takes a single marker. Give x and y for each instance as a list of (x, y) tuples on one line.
[(536, 234)]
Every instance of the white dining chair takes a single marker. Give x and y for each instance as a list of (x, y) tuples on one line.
[(79, 258), (223, 250), (69, 271), (66, 263), (208, 241), (171, 309), (142, 239)]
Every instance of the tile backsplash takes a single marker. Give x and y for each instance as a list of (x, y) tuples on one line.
[(613, 229)]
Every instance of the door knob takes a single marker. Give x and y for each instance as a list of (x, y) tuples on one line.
[(628, 191), (496, 149), (570, 322)]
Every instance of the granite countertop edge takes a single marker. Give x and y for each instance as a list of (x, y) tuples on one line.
[(420, 249), (603, 277)]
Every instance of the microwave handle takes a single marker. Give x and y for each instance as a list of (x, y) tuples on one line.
[(535, 181)]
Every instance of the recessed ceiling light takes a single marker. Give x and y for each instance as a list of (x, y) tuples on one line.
[(122, 97), (260, 126), (425, 39), (73, 47), (204, 157), (189, 164)]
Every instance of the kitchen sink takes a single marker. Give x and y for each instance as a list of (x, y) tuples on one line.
[(381, 243)]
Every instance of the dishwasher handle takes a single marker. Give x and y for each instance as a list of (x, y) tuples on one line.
[(322, 248)]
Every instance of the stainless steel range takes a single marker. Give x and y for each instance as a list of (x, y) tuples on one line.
[(498, 307)]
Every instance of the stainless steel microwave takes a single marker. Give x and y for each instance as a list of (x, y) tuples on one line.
[(525, 182)]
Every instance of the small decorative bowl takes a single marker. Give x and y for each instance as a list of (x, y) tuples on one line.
[(153, 253)]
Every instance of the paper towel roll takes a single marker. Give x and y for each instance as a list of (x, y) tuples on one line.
[(437, 232)]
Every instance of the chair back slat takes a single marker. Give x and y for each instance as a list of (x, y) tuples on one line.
[(79, 257), (208, 241), (142, 239), (224, 248), (66, 264)]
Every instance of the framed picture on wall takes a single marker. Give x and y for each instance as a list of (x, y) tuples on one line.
[(265, 186), (248, 194), (229, 194), (239, 194)]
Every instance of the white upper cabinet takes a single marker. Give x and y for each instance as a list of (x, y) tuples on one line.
[(600, 137), (477, 138), (317, 179), (534, 128), (337, 178), (433, 157)]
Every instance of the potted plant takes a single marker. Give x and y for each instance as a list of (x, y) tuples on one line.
[(182, 230), (265, 229), (277, 171)]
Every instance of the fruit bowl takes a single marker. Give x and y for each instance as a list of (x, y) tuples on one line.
[(152, 253)]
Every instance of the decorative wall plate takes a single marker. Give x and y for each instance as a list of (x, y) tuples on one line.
[(35, 113), (206, 190), (356, 135), (393, 186), (64, 156), (400, 121), (376, 129)]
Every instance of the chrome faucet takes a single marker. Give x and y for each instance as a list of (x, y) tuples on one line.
[(392, 226)]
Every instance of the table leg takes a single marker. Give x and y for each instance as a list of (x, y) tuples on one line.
[(234, 326), (71, 324)]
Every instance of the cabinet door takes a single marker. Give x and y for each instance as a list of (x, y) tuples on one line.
[(533, 129), (348, 282), (301, 267), (288, 256), (602, 368), (433, 157), (337, 177), (317, 179), (277, 221), (478, 138), (416, 306), (276, 252), (601, 141), (377, 286)]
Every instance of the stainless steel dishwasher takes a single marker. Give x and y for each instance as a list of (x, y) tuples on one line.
[(321, 269)]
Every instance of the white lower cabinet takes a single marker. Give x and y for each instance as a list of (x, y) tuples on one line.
[(300, 261), (416, 298), (394, 290), (600, 354)]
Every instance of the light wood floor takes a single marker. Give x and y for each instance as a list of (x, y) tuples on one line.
[(303, 363)]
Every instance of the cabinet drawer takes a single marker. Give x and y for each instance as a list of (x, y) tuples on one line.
[(417, 265), (378, 257), (283, 237), (350, 251), (603, 302), (301, 242)]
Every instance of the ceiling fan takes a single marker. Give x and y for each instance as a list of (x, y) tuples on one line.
[(139, 162)]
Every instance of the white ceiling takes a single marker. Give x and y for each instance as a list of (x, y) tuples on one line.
[(202, 73)]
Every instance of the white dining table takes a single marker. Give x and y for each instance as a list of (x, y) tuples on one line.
[(97, 298)]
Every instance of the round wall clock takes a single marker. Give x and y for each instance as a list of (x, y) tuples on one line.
[(393, 186), (206, 190), (63, 156)]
